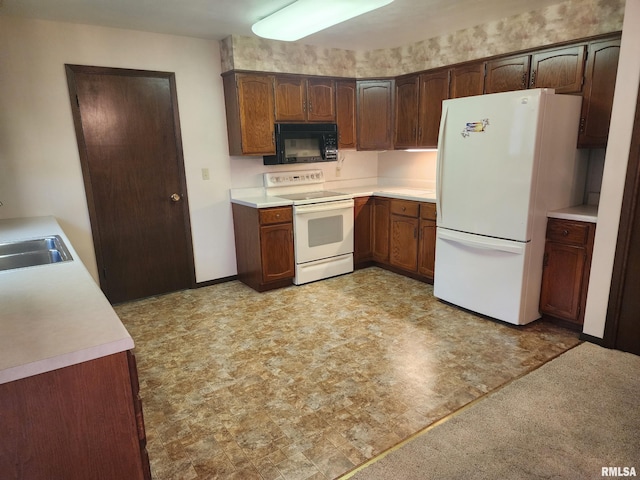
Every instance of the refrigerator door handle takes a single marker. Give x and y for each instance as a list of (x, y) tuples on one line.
[(485, 243), (440, 158)]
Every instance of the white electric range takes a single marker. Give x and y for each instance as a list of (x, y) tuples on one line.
[(322, 224)]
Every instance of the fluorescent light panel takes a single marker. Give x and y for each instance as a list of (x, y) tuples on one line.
[(304, 17)]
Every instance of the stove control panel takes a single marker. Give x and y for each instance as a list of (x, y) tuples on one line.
[(291, 179)]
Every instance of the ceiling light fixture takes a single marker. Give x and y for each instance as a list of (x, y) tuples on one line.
[(304, 17)]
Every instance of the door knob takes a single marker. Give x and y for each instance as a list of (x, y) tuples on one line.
[(175, 197)]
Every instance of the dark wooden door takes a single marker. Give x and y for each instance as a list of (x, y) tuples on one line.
[(321, 100), (467, 81), (375, 114), (406, 131), (622, 328), (128, 134), (600, 83), (290, 99), (507, 74), (561, 69), (346, 113), (434, 88)]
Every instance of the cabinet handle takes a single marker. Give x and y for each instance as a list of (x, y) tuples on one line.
[(582, 122), (404, 208), (310, 107), (524, 80), (533, 79), (565, 233)]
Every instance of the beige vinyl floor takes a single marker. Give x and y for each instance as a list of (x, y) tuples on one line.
[(308, 382)]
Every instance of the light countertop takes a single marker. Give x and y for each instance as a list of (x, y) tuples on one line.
[(581, 213), (261, 200), (54, 315)]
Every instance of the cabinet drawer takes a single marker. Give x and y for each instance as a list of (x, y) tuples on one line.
[(275, 215), (428, 211), (565, 231), (405, 207)]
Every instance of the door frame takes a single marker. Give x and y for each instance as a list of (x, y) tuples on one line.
[(71, 70), (628, 212)]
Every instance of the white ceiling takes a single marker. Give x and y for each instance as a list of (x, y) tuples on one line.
[(402, 22)]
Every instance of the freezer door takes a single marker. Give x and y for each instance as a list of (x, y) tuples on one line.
[(486, 169), (484, 275)]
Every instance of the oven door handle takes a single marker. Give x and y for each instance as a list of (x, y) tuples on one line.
[(323, 207)]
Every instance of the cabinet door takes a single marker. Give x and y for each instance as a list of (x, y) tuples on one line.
[(427, 240), (375, 114), (255, 108), (467, 80), (507, 74), (406, 125), (321, 100), (434, 88), (362, 226), (276, 246), (291, 99), (562, 69), (346, 113), (562, 280), (600, 82), (381, 230), (404, 242)]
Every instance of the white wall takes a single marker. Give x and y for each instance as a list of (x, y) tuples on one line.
[(615, 167), (354, 168), (39, 161)]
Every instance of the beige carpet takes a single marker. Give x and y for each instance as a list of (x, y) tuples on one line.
[(566, 420)]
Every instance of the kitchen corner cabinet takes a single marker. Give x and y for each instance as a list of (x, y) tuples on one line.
[(74, 423), (507, 74), (403, 252), (346, 113), (362, 227), (249, 105), (561, 69), (264, 246), (567, 262), (467, 80), (375, 114), (380, 230), (600, 82), (302, 99)]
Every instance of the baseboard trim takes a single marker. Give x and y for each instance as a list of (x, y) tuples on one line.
[(208, 283), (592, 339)]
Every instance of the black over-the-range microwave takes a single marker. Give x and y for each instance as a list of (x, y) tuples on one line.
[(304, 143)]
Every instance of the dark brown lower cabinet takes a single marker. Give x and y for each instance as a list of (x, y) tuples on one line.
[(404, 235), (380, 230), (567, 262), (362, 231), (427, 240), (264, 246), (75, 423)]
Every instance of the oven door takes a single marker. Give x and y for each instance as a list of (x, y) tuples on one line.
[(323, 230)]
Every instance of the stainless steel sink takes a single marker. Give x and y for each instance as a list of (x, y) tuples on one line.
[(33, 252)]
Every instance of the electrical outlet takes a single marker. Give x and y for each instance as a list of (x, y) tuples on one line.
[(205, 174)]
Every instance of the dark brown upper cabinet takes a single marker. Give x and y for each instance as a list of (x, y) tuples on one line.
[(300, 99), (467, 80), (249, 107), (507, 74), (418, 109), (375, 114), (346, 113), (434, 88), (406, 125), (597, 97), (561, 69)]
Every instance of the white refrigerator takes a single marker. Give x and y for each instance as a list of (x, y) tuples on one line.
[(504, 161)]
